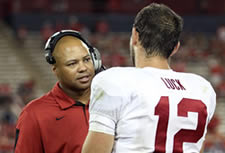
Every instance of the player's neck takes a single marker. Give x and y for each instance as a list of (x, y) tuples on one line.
[(155, 61)]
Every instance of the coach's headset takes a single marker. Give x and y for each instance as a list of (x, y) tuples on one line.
[(52, 41)]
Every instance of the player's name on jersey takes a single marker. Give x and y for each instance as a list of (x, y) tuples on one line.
[(173, 84)]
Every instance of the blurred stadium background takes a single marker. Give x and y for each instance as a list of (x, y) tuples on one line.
[(25, 25)]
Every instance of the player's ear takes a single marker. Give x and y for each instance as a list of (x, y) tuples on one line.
[(176, 48), (135, 36)]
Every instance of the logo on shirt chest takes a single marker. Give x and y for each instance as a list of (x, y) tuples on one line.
[(59, 118)]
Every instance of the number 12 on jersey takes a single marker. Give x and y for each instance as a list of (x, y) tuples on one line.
[(184, 135)]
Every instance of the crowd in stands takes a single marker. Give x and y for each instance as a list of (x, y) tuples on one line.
[(197, 49), (108, 6), (9, 8), (207, 51), (11, 104)]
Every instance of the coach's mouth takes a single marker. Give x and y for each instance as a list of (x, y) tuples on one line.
[(84, 78)]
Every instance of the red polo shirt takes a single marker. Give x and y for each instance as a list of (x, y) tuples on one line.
[(54, 123)]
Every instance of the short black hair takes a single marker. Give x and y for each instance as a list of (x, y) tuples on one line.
[(159, 29)]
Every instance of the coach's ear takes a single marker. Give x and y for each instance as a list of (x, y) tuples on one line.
[(176, 48), (54, 70)]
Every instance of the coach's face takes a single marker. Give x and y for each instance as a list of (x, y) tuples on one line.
[(74, 67)]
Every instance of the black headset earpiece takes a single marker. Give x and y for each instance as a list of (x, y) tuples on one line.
[(52, 41)]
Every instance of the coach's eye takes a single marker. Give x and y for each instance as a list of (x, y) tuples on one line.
[(87, 59), (71, 64)]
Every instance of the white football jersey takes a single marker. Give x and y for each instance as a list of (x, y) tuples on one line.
[(151, 110)]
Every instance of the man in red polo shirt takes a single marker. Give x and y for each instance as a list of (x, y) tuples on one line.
[(58, 121)]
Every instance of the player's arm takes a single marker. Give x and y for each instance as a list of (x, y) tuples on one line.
[(105, 105), (28, 139), (97, 142)]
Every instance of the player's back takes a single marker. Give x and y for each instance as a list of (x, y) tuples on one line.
[(160, 110)]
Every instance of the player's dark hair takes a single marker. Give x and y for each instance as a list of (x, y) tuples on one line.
[(159, 29)]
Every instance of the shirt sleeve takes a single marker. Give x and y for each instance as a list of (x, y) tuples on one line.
[(105, 105), (28, 135)]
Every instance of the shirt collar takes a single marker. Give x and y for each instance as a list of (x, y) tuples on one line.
[(61, 98)]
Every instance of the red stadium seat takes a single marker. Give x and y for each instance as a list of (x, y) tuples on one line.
[(216, 7), (79, 7)]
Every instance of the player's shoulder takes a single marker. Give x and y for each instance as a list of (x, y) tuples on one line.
[(113, 70), (197, 79), (113, 80), (115, 75), (116, 72)]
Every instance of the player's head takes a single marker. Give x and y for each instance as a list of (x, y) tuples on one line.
[(157, 29), (71, 62)]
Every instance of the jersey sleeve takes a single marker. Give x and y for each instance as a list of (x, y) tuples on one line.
[(105, 105), (28, 137)]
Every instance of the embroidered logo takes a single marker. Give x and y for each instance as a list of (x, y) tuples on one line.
[(59, 118)]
